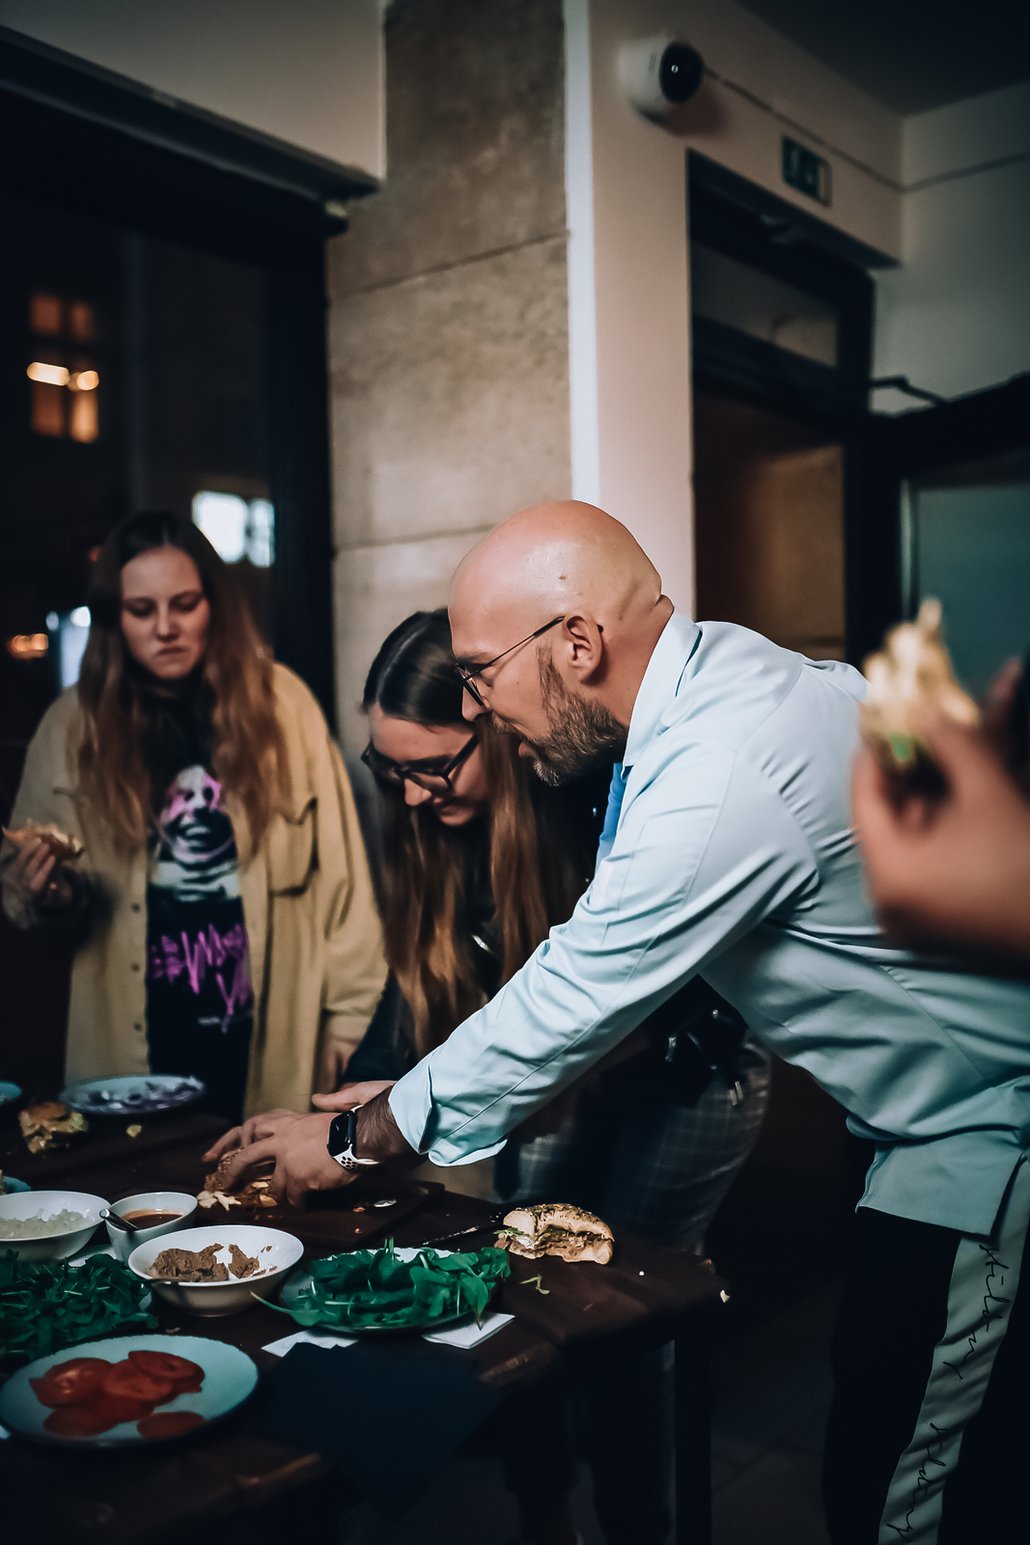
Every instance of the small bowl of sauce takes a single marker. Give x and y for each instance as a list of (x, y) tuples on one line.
[(153, 1213)]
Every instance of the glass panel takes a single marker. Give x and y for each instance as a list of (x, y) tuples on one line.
[(45, 314), (968, 543), (81, 323), (723, 289), (47, 408), (85, 416), (223, 520)]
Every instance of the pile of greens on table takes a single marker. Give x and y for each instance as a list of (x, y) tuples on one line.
[(367, 1289), (46, 1306)]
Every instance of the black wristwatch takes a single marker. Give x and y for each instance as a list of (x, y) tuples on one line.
[(342, 1134)]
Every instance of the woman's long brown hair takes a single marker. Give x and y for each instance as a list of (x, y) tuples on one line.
[(249, 754), (429, 869)]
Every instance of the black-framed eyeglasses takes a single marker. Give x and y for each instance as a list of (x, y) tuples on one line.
[(467, 676), (436, 774)]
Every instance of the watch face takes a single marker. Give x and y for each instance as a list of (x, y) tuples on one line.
[(341, 1132)]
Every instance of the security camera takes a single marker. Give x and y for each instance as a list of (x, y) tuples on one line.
[(659, 74)]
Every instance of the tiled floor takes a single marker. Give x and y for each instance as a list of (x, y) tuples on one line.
[(770, 1397)]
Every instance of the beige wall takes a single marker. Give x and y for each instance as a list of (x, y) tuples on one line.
[(448, 325), (307, 73), (955, 317), (626, 190)]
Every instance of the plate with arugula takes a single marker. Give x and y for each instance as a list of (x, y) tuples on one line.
[(394, 1290), (46, 1306)]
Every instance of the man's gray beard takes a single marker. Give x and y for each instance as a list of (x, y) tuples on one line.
[(583, 735)]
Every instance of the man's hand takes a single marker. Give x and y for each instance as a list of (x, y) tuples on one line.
[(351, 1095), (332, 1062), (953, 870), (297, 1149), (267, 1124)]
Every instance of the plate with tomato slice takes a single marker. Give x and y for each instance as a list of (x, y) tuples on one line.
[(126, 1390)]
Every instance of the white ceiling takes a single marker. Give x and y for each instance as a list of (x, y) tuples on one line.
[(911, 55)]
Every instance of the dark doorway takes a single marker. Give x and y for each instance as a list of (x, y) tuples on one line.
[(781, 326), (163, 322), (139, 381), (769, 498)]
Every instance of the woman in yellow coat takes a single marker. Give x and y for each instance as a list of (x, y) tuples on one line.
[(224, 915)]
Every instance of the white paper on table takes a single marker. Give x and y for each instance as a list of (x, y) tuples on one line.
[(468, 1336), (307, 1338), (463, 1336)]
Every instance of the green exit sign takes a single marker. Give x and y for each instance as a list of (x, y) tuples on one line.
[(804, 170)]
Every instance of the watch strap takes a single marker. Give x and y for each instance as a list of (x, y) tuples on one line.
[(341, 1140)]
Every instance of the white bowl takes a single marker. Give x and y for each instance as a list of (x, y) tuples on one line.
[(51, 1247), (180, 1202), (278, 1252)]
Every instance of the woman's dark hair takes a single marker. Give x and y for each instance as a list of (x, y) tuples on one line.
[(429, 869), (413, 675), (248, 755)]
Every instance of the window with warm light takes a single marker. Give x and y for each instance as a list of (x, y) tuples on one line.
[(65, 383)]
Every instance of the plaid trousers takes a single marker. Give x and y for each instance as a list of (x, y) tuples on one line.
[(642, 1160)]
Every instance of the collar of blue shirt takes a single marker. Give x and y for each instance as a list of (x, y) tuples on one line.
[(662, 683)]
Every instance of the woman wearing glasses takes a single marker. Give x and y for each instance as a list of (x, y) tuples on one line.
[(222, 909), (480, 859)]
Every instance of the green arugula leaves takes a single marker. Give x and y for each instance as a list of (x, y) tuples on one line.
[(378, 1289), (48, 1305)]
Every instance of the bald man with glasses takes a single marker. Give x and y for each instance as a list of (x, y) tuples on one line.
[(728, 852)]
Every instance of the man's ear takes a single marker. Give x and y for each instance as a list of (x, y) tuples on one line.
[(583, 638)]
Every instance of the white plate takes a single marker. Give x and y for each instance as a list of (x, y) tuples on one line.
[(130, 1095), (9, 1092), (229, 1377), (295, 1291)]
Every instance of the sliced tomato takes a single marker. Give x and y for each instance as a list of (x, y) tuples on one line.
[(170, 1424), (177, 1390), (165, 1365), (71, 1383), (80, 1421), (127, 1381), (119, 1409)]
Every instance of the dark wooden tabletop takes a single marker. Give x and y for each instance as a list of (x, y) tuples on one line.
[(155, 1494)]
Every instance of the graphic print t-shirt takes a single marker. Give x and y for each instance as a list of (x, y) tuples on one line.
[(200, 1002)]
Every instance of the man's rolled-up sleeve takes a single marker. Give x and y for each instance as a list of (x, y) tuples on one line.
[(704, 851)]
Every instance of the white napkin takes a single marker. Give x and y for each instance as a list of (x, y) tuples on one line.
[(463, 1336), (307, 1337), (468, 1336)]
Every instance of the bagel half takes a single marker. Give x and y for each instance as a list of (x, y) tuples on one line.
[(556, 1228), (64, 848)]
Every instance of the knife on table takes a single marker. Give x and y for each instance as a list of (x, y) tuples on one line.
[(459, 1233)]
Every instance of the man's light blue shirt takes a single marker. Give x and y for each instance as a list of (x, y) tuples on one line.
[(734, 856)]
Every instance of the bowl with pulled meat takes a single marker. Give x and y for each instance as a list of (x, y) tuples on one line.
[(218, 1270)]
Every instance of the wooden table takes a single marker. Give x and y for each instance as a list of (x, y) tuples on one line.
[(643, 1299)]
